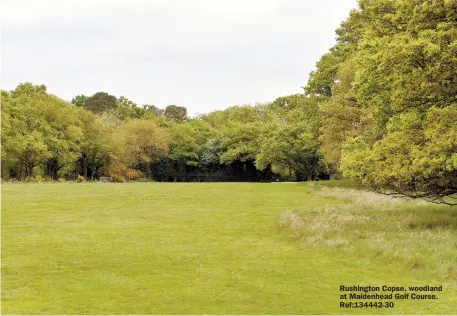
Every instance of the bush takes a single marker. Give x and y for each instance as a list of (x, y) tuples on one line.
[(121, 173), (37, 179), (132, 174)]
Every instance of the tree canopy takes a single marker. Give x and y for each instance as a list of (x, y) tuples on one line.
[(389, 110)]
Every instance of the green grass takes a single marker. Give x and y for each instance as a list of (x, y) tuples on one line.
[(225, 248)]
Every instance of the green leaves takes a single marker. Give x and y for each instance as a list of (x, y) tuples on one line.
[(289, 139), (380, 108), (101, 102), (143, 142), (188, 141), (40, 128), (176, 113), (416, 157), (389, 119)]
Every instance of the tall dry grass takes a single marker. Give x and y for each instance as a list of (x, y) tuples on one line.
[(416, 233)]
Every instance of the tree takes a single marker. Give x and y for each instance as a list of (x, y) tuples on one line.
[(143, 143), (63, 138), (152, 109), (188, 140), (98, 147), (80, 101), (342, 116), (101, 102), (7, 158), (240, 132), (23, 145), (128, 109), (43, 131), (176, 113), (417, 157), (211, 153), (400, 74), (289, 140), (322, 79)]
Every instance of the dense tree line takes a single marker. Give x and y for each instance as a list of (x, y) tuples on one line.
[(380, 108), (101, 135)]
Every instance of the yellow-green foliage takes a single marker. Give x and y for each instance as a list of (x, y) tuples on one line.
[(417, 156), (389, 118), (143, 141), (121, 173)]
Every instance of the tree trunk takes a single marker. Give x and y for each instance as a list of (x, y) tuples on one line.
[(85, 166), (148, 175), (55, 172), (29, 169), (21, 172)]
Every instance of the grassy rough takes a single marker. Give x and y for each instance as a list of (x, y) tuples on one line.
[(412, 232), (179, 248)]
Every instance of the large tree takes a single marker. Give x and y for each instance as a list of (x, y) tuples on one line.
[(289, 139), (98, 147), (240, 128), (41, 132), (400, 76)]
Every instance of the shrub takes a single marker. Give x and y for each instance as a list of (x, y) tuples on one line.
[(121, 173), (37, 179), (80, 179), (132, 174)]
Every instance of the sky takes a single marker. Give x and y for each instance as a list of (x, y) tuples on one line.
[(202, 54)]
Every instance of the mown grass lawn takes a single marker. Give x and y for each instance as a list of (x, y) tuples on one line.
[(188, 248)]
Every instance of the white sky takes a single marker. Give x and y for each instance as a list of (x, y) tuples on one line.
[(201, 54)]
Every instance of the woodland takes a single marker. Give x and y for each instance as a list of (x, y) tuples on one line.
[(380, 108)]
